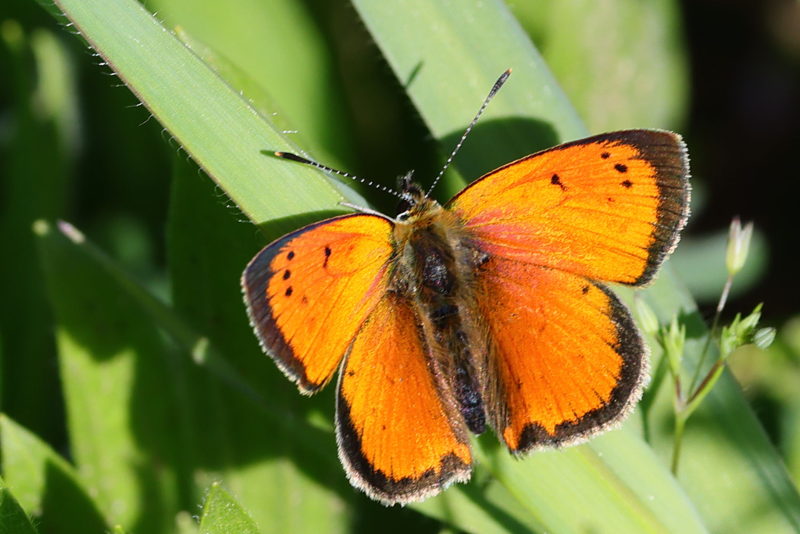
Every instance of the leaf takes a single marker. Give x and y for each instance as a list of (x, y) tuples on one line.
[(223, 134), (13, 519), (37, 152), (45, 484), (119, 381), (249, 451), (246, 41), (728, 466), (621, 62), (222, 514), (447, 72), (112, 341)]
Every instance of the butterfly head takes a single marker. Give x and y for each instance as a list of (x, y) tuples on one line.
[(413, 200)]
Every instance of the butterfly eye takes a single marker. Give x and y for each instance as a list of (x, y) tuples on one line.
[(404, 207)]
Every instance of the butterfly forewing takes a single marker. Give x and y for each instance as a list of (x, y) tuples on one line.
[(609, 207), (308, 293)]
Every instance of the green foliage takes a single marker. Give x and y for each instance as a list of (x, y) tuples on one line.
[(221, 514), (13, 519), (167, 399), (45, 484)]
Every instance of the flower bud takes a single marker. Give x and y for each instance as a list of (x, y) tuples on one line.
[(738, 245)]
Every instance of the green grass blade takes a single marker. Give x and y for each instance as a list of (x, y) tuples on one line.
[(447, 72), (251, 37), (117, 314), (13, 519), (615, 481), (621, 61), (35, 167), (223, 514), (119, 384), (210, 120), (199, 227), (45, 484), (259, 98)]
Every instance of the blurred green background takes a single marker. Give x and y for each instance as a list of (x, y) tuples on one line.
[(76, 145)]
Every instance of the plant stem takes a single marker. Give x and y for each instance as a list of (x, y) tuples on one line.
[(723, 299), (680, 424), (705, 386)]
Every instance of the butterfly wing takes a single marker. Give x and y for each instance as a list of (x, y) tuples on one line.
[(399, 439), (566, 357), (608, 207), (308, 293)]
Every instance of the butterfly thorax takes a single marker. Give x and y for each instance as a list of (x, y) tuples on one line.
[(434, 268)]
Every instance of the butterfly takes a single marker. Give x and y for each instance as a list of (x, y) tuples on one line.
[(488, 311)]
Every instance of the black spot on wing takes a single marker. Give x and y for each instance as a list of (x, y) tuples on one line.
[(254, 281), (666, 153)]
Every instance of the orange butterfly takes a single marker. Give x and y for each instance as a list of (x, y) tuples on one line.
[(488, 310)]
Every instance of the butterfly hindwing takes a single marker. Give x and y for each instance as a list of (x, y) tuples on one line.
[(308, 292), (608, 207), (566, 354), (399, 439)]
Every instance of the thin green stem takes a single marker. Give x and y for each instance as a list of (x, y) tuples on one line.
[(680, 425), (705, 387), (684, 410), (698, 392), (680, 421), (723, 299)]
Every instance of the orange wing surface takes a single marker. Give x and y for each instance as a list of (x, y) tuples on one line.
[(567, 354), (398, 440), (608, 207), (308, 293)]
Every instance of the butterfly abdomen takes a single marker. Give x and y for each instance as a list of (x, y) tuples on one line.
[(432, 258)]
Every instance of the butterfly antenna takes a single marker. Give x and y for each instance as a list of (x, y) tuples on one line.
[(306, 161), (496, 87)]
